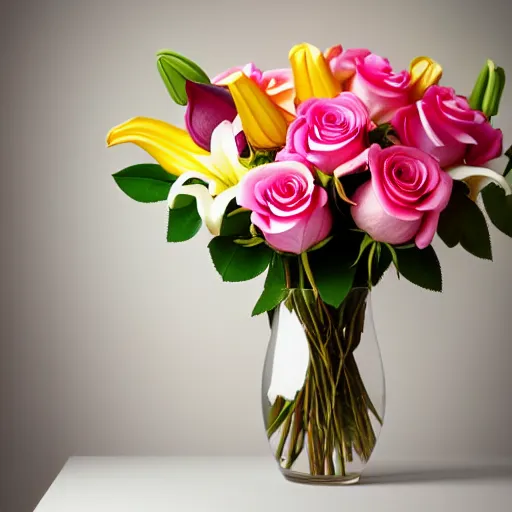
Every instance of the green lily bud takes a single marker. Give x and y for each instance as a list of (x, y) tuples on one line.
[(488, 89), (175, 70)]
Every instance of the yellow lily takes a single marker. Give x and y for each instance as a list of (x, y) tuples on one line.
[(477, 178), (424, 72), (263, 122), (172, 148), (178, 154), (311, 74)]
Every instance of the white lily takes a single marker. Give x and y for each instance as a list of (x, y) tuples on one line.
[(477, 178), (223, 163)]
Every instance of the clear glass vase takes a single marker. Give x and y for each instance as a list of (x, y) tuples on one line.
[(323, 387)]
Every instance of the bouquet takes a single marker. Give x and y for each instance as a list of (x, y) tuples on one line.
[(325, 174)]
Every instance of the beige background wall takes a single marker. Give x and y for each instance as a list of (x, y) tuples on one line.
[(115, 342)]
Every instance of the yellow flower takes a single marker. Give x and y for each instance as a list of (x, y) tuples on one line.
[(172, 148), (424, 73), (178, 154), (263, 122), (311, 74)]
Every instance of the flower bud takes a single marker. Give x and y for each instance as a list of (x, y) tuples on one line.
[(208, 105), (311, 74), (262, 120), (488, 89), (175, 70), (424, 72)]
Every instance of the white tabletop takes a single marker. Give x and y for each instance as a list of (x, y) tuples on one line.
[(254, 484)]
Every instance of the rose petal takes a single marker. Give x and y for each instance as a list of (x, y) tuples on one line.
[(427, 229)]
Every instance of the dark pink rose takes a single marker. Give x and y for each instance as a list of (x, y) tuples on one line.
[(329, 132), (404, 198), (444, 125), (381, 89)]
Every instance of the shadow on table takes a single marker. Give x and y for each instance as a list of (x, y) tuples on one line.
[(432, 474)]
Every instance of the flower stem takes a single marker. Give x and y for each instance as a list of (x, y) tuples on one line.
[(331, 413)]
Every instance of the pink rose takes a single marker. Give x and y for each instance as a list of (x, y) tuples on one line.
[(329, 132), (404, 198), (287, 206), (343, 62), (443, 125), (380, 89)]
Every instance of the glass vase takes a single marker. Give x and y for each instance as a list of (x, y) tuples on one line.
[(323, 390)]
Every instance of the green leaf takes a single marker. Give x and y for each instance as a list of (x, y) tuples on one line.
[(498, 207), (333, 272), (394, 257), (324, 179), (146, 183), (184, 222), (321, 244), (463, 222), (380, 265), (274, 291), (366, 242), (237, 263), (175, 70), (475, 234), (421, 267), (236, 224)]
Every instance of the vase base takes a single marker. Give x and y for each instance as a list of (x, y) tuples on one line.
[(304, 478)]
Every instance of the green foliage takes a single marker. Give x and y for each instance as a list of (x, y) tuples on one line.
[(235, 262), (380, 135), (463, 222), (366, 242), (184, 221), (236, 223), (380, 264), (421, 267), (255, 158), (333, 271), (175, 70), (378, 256), (498, 207), (146, 183), (274, 291)]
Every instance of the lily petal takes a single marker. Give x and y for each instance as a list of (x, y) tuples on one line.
[(218, 208), (263, 122), (171, 147), (311, 74), (211, 210), (478, 178), (224, 155)]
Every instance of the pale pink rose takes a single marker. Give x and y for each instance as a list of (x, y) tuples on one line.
[(329, 132), (444, 125), (404, 198), (287, 206), (380, 89), (277, 83), (343, 62)]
